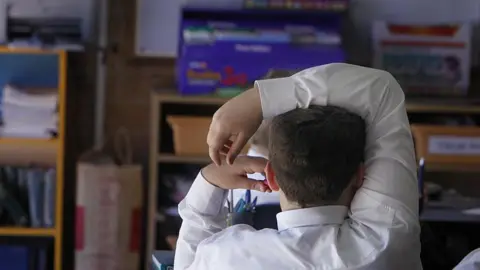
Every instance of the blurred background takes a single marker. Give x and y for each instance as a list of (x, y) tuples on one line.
[(105, 106)]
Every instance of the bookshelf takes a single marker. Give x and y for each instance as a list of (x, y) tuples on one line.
[(163, 157), (46, 69), (414, 105), (12, 231)]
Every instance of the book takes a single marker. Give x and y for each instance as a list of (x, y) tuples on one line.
[(27, 196), (49, 198), (10, 203), (36, 182)]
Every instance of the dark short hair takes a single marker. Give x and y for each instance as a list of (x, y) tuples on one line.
[(315, 152)]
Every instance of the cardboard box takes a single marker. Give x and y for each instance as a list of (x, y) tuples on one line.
[(425, 59)]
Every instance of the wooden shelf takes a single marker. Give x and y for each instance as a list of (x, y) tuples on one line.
[(29, 141), (172, 158), (26, 151), (201, 100), (414, 105), (438, 107), (43, 69), (7, 49), (28, 232)]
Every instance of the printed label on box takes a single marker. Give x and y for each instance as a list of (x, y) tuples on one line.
[(454, 145)]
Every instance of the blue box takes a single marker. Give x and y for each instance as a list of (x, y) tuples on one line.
[(224, 54), (14, 258)]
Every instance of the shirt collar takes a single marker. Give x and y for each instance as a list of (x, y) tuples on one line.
[(322, 215)]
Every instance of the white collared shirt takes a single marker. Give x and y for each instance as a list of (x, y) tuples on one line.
[(380, 230), (470, 262)]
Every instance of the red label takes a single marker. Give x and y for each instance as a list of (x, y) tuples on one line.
[(442, 30), (135, 227), (80, 228), (232, 78)]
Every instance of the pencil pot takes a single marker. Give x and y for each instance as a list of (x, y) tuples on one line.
[(240, 218)]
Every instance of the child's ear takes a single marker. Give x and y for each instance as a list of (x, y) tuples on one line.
[(271, 180)]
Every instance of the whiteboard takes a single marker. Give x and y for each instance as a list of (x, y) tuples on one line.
[(158, 24), (157, 27)]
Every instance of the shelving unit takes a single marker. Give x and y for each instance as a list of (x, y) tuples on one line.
[(13, 231), (36, 68), (414, 105), (162, 155)]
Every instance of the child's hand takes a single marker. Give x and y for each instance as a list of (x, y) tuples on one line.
[(235, 176), (233, 125)]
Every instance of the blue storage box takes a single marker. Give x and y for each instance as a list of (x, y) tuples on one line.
[(240, 46), (14, 258)]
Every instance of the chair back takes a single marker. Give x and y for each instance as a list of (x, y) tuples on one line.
[(265, 216)]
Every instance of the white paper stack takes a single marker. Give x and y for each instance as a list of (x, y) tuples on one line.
[(28, 113)]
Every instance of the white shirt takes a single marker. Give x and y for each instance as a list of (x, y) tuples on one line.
[(380, 230), (262, 197), (470, 262)]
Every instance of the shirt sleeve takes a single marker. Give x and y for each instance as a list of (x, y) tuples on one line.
[(470, 262), (375, 95), (203, 215)]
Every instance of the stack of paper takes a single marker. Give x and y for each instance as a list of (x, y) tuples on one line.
[(28, 113)]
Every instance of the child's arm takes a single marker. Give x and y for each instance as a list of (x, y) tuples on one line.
[(203, 214)]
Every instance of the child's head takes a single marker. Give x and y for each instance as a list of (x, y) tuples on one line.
[(316, 155)]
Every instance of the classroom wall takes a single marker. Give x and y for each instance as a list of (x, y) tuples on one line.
[(129, 80)]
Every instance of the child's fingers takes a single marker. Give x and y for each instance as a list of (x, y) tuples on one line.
[(236, 147), (216, 141), (224, 151), (226, 148), (228, 143)]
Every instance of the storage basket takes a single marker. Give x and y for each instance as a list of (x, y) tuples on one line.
[(190, 134)]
